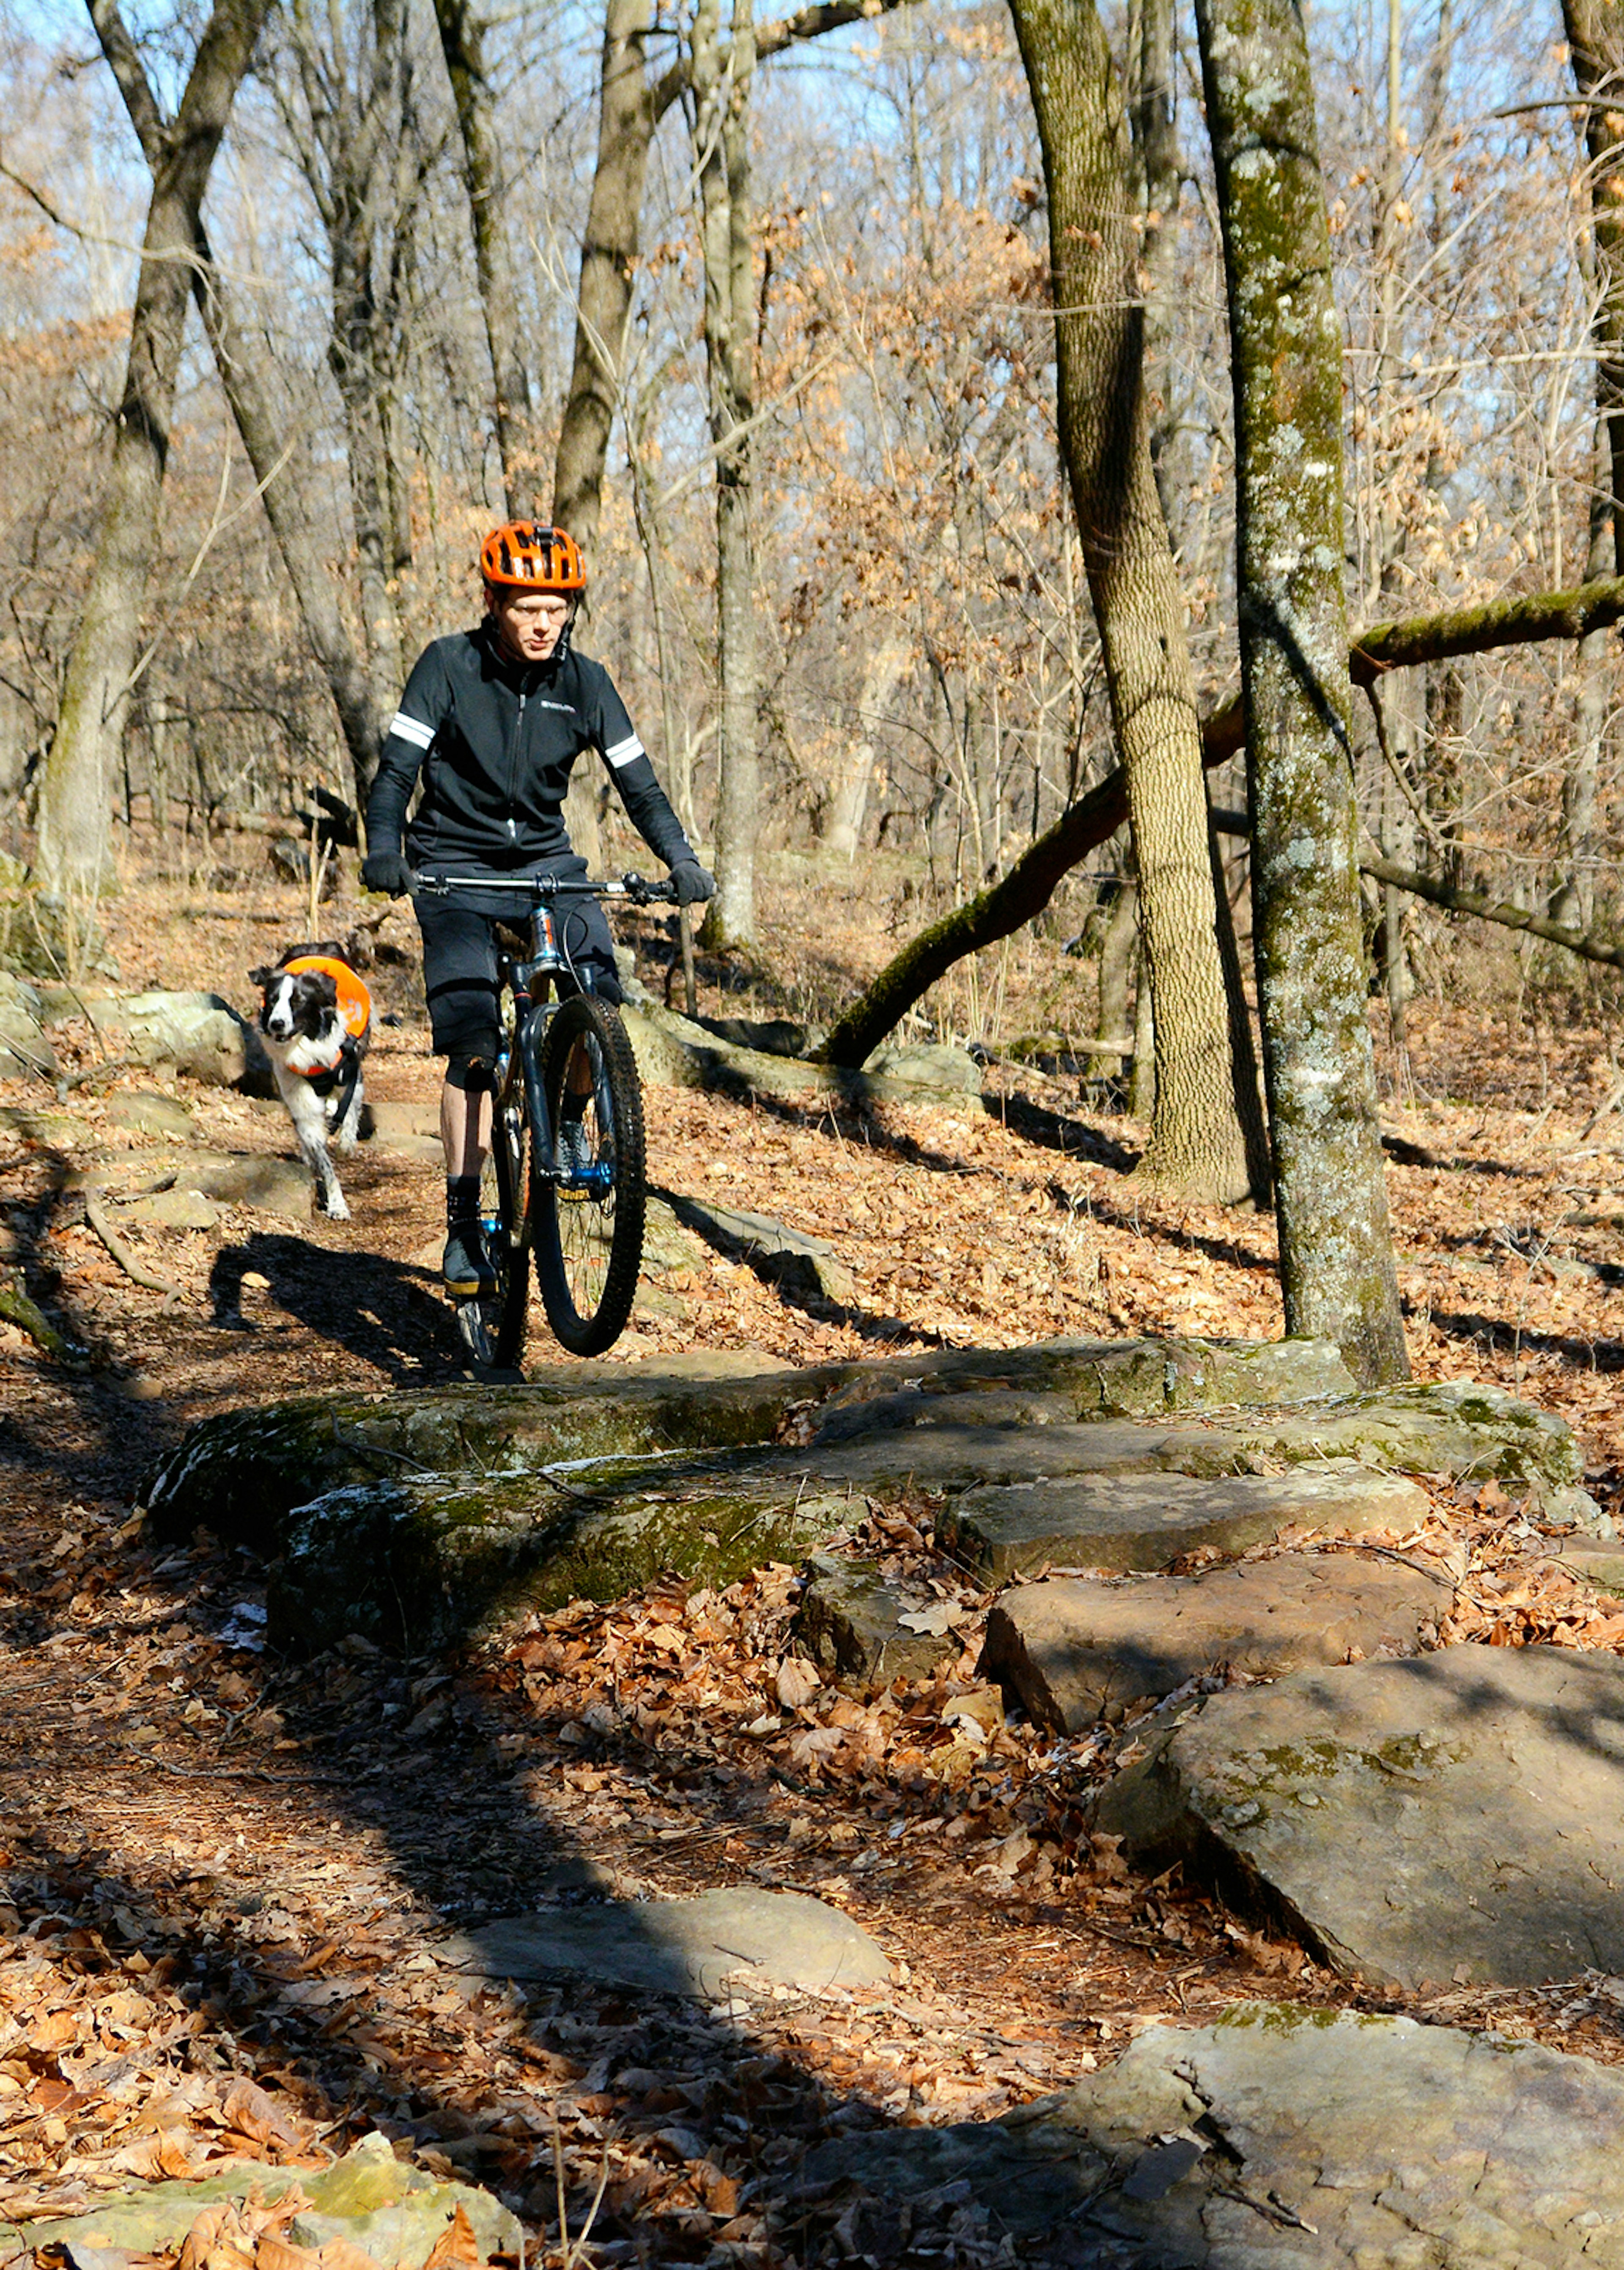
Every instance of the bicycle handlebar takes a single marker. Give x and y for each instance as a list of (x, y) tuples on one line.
[(637, 888)]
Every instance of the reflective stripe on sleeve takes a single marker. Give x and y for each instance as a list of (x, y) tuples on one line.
[(625, 753), (409, 730)]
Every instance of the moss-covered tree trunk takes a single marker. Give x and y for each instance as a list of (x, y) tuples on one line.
[(1195, 1143), (1286, 351)]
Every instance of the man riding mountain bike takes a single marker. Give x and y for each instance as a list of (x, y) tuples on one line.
[(494, 719)]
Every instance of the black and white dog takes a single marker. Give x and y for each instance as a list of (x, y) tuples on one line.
[(315, 1021)]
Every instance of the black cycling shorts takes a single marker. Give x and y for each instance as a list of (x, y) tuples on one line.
[(459, 959)]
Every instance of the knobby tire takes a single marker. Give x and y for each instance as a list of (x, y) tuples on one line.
[(504, 1196), (589, 1241)]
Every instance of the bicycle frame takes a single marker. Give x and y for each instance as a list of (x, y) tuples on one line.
[(548, 963)]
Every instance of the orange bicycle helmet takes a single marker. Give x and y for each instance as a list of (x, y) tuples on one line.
[(524, 556)]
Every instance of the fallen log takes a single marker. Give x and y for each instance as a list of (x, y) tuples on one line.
[(1019, 896), (1586, 943)]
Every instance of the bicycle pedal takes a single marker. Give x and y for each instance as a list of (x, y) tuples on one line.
[(474, 1327)]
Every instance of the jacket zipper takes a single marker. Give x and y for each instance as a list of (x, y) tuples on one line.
[(512, 771)]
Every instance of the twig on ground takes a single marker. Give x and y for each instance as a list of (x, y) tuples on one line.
[(95, 1214)]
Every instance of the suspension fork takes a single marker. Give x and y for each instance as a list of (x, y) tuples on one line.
[(532, 1027)]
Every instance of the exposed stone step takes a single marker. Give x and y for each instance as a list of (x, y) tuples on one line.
[(1455, 1819), (1075, 1651)]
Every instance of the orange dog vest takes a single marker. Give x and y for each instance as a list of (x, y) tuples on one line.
[(354, 1001)]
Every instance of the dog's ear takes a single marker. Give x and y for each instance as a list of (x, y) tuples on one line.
[(260, 977)]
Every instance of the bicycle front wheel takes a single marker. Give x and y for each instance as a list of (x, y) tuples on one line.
[(504, 1206), (588, 1221)]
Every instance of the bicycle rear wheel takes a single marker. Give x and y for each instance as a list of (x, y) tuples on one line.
[(495, 1328), (589, 1228)]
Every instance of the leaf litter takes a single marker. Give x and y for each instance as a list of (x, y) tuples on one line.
[(225, 1875)]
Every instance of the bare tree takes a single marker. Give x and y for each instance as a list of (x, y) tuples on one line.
[(1196, 1141), (721, 71), (1336, 1268), (461, 41), (277, 445), (356, 135), (76, 780)]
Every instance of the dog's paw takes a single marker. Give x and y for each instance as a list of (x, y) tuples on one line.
[(335, 1208)]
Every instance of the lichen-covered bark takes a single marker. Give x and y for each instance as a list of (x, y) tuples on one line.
[(1595, 30), (1337, 1267), (1196, 1143)]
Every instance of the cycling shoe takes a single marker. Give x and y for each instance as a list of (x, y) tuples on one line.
[(466, 1265)]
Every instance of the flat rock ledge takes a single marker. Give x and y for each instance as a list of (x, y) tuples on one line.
[(1458, 1818), (1282, 2139), (421, 1519), (1076, 1650), (703, 1948), (392, 2211)]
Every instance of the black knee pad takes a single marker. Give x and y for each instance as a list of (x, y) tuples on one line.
[(477, 1075)]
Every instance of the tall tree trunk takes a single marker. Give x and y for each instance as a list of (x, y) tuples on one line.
[(1196, 1143), (631, 106), (1337, 1266), (278, 449), (77, 779), (722, 79), (1155, 141), (1595, 32), (462, 42), (627, 117)]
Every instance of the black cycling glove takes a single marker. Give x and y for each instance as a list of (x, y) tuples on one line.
[(387, 870), (693, 882)]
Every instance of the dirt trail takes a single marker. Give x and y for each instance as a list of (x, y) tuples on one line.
[(219, 1866)]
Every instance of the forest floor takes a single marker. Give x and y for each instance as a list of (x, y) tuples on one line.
[(224, 1878)]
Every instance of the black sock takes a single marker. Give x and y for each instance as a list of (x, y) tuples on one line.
[(461, 1200), (572, 1106)]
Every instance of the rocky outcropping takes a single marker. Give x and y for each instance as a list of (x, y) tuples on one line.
[(417, 1518), (1458, 1818), (1284, 2139), (1077, 1650)]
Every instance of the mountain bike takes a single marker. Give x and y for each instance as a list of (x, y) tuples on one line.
[(563, 1177)]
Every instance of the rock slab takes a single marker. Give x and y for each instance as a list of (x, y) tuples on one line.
[(694, 1947), (391, 2210), (1284, 2139), (1128, 1520), (1076, 1649), (850, 1621), (1456, 1818)]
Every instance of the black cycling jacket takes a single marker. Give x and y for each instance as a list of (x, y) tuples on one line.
[(495, 742)]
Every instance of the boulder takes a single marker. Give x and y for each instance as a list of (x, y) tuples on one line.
[(1073, 1651), (250, 1178), (392, 2211), (1129, 1520), (241, 1473), (807, 1267), (695, 1947), (933, 1064), (24, 1050), (1283, 2139), (1454, 1818), (424, 1563), (857, 1626), (409, 1130), (174, 1209), (673, 1052), (459, 1500), (145, 1113)]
